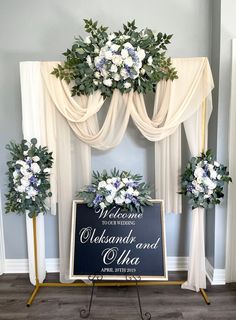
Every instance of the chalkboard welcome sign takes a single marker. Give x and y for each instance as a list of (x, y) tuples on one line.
[(118, 244)]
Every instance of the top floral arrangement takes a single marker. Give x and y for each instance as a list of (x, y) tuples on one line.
[(121, 60)]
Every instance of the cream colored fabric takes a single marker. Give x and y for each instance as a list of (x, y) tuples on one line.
[(196, 268), (231, 208)]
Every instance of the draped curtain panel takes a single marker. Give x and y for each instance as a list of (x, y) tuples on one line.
[(231, 208), (175, 103)]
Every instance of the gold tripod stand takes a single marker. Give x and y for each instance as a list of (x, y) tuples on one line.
[(39, 285)]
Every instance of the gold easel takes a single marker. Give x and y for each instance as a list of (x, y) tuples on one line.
[(39, 285)]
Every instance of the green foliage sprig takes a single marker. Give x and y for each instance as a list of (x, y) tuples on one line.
[(124, 60)]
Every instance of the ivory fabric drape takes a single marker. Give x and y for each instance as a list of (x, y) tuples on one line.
[(175, 102), (231, 208)]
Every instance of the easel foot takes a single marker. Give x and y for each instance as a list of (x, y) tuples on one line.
[(31, 299), (205, 297)]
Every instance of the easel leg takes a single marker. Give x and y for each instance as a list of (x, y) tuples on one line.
[(147, 315), (205, 297), (83, 312), (31, 299)]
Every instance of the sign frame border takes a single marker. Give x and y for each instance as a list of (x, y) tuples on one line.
[(117, 277)]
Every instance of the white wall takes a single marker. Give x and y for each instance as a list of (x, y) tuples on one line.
[(41, 30)]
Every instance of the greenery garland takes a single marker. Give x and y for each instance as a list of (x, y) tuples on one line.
[(203, 181), (124, 60), (121, 189), (28, 176)]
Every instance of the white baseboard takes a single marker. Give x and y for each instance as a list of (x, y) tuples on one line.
[(52, 265), (21, 265), (215, 276)]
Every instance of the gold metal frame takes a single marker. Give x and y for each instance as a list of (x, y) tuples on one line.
[(39, 285)]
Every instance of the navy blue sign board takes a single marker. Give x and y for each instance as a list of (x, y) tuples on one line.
[(118, 244)]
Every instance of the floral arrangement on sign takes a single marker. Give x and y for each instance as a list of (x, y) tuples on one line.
[(203, 181), (124, 60), (121, 189), (28, 175)]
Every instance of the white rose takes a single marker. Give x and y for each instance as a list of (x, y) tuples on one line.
[(22, 163), (102, 205), (125, 180), (116, 77), (127, 85), (96, 50), (216, 164), (140, 53), (25, 172), (117, 60), (25, 182), (15, 174), (87, 40), (199, 172), (102, 184), (113, 68), (124, 73), (213, 174), (210, 167), (108, 55), (119, 200), (104, 73), (108, 43), (35, 158), (107, 82), (35, 168), (209, 183), (111, 36), (127, 45), (109, 198), (142, 71), (47, 170), (20, 189), (129, 61), (109, 180), (97, 75), (136, 193), (114, 47), (124, 53), (150, 60), (95, 82), (89, 61)]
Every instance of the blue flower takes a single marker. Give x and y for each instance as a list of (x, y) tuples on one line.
[(33, 180), (98, 199)]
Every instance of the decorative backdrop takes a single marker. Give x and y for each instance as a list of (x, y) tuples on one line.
[(49, 112)]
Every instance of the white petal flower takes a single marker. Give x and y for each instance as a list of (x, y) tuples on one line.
[(130, 190), (128, 45), (97, 75), (142, 71), (127, 85), (119, 200), (25, 182), (150, 60), (111, 36), (104, 73), (25, 172), (89, 61), (25, 153), (116, 77), (113, 68), (114, 47), (102, 184), (47, 170), (213, 174), (87, 40), (22, 163), (117, 60), (219, 176), (136, 193), (35, 168), (31, 192), (35, 158), (129, 61), (124, 53), (96, 50), (109, 198), (124, 73), (140, 53), (127, 200), (15, 174), (216, 164), (109, 180), (20, 189), (108, 55), (107, 82), (199, 172), (102, 205), (209, 183), (95, 82), (125, 180), (18, 200)]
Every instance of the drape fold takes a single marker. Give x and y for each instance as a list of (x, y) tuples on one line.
[(175, 103)]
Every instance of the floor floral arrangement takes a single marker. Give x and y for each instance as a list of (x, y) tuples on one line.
[(124, 60), (203, 181), (122, 189), (28, 176)]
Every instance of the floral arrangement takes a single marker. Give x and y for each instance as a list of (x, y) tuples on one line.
[(124, 60), (203, 181), (28, 174), (121, 189)]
